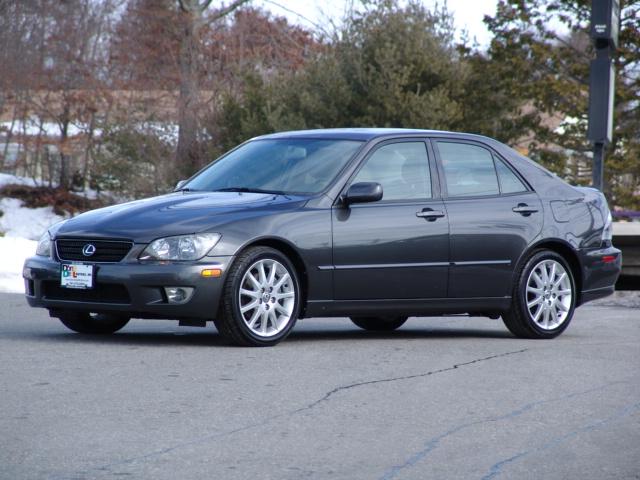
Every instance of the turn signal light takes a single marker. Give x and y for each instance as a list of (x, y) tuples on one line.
[(211, 272)]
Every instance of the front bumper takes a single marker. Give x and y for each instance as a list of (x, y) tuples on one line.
[(132, 287), (600, 271)]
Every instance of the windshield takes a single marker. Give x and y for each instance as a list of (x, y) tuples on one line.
[(277, 166)]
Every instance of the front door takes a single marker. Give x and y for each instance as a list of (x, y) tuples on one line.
[(398, 247)]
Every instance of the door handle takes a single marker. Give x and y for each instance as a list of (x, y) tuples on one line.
[(430, 214), (524, 209)]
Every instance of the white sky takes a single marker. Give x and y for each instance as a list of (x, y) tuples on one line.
[(468, 14)]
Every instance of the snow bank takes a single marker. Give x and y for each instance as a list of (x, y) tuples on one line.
[(6, 179), (29, 223), (91, 194), (13, 251), (21, 228)]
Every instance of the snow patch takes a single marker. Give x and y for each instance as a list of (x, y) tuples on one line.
[(89, 193), (32, 127), (6, 179), (28, 223), (22, 227), (13, 252)]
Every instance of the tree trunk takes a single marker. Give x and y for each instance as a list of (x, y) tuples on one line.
[(88, 152), (36, 166), (64, 158), (8, 139), (187, 155), (191, 16)]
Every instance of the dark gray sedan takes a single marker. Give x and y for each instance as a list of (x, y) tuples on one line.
[(373, 224)]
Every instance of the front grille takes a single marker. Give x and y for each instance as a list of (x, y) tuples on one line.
[(105, 250), (101, 293)]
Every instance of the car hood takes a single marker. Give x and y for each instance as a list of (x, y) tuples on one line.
[(174, 214)]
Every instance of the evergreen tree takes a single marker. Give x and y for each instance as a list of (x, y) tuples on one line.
[(542, 49), (389, 66)]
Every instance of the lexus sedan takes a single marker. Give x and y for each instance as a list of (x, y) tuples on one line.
[(372, 224)]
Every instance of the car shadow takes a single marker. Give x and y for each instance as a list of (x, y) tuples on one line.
[(210, 338), (408, 334)]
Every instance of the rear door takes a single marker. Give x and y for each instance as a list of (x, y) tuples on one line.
[(398, 247), (493, 216)]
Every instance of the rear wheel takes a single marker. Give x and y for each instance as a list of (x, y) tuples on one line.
[(543, 299), (93, 323), (380, 324), (261, 299)]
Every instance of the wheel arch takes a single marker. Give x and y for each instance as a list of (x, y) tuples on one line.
[(563, 249), (292, 254)]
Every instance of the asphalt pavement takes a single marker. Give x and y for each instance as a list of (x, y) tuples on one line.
[(441, 398)]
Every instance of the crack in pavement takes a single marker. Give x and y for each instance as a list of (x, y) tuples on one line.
[(496, 468), (326, 397), (433, 443)]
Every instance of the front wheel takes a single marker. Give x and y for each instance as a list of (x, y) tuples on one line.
[(93, 323), (261, 299), (544, 297), (379, 324)]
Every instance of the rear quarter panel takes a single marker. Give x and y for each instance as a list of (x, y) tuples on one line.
[(574, 216)]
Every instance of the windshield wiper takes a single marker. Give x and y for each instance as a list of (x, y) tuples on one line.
[(250, 190), (187, 189)]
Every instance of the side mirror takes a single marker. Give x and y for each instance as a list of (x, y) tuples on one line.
[(363, 192), (179, 185)]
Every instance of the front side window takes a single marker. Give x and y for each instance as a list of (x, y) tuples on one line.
[(288, 165), (401, 168), (468, 170)]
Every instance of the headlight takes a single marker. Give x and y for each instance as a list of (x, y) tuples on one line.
[(182, 247), (44, 245)]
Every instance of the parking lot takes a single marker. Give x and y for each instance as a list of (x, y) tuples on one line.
[(442, 398)]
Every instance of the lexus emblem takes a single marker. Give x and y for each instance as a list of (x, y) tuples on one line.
[(88, 250)]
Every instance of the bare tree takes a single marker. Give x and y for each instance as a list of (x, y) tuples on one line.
[(192, 18), (54, 73)]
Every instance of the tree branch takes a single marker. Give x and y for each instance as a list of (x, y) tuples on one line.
[(189, 6), (228, 9)]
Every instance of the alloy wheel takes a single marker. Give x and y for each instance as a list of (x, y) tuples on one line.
[(266, 297), (549, 294)]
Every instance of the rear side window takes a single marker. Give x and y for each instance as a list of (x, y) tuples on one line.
[(401, 168), (468, 170), (509, 182)]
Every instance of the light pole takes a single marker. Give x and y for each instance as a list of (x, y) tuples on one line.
[(605, 24)]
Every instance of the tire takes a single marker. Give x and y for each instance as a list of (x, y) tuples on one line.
[(379, 324), (260, 306), (542, 307), (95, 324)]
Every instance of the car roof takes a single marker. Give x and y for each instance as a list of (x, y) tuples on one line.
[(535, 173), (366, 134)]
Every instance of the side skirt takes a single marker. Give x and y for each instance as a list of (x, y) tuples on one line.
[(413, 307)]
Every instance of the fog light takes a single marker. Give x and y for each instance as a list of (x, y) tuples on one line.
[(178, 295)]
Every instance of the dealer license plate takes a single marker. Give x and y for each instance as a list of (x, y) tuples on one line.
[(76, 275)]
